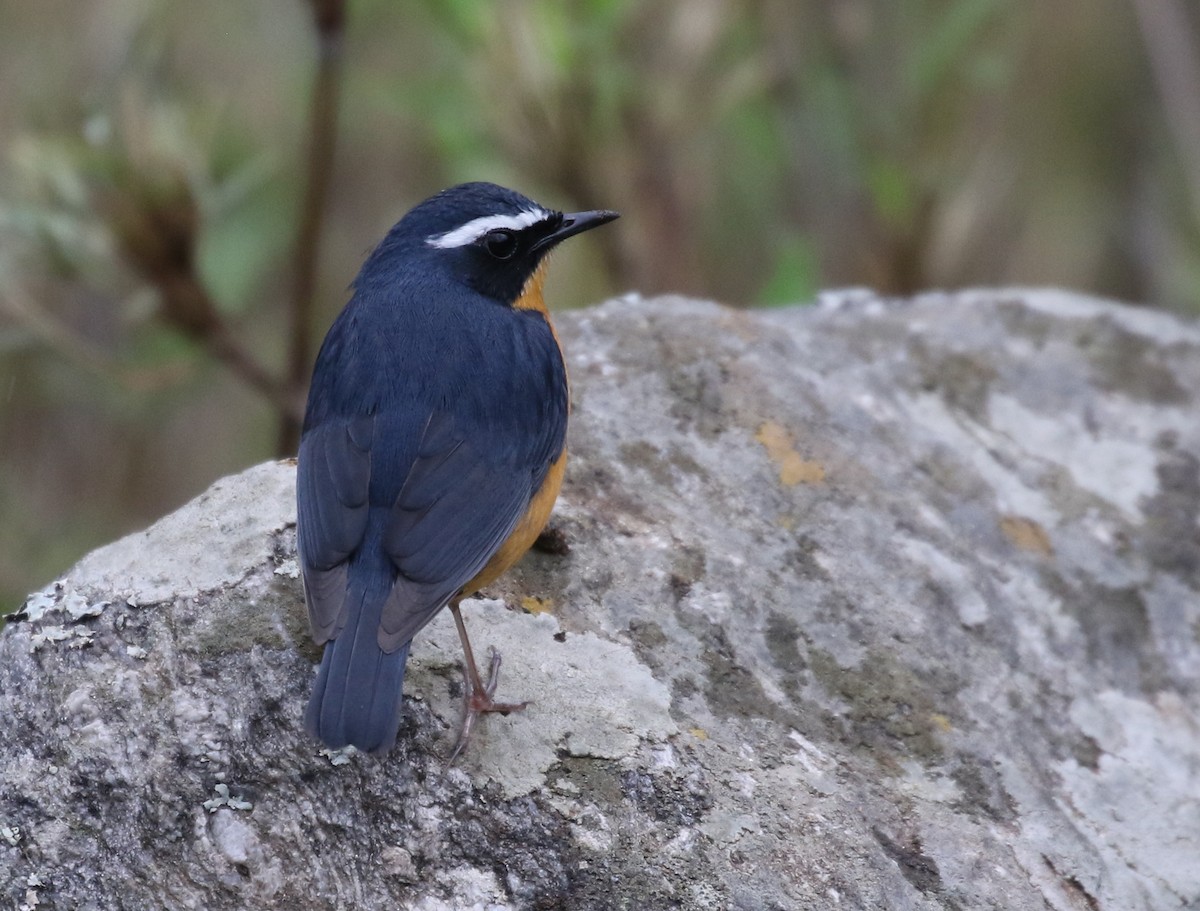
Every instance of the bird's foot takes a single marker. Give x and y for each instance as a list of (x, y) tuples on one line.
[(479, 701)]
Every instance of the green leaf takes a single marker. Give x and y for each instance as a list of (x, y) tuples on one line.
[(251, 235), (795, 276), (951, 39), (892, 192)]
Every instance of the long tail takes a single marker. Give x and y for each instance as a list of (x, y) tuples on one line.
[(357, 696)]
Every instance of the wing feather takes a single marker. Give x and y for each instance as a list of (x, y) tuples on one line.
[(458, 505), (332, 481)]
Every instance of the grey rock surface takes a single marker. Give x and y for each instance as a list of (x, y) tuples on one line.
[(880, 604)]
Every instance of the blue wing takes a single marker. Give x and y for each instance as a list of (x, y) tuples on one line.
[(333, 478)]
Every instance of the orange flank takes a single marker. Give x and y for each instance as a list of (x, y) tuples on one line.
[(527, 529)]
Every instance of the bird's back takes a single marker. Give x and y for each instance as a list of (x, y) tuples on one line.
[(431, 427)]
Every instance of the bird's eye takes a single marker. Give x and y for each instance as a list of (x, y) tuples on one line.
[(501, 244)]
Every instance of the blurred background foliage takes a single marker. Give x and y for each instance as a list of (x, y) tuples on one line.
[(186, 190)]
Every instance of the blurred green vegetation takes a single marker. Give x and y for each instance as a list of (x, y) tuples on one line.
[(155, 158)]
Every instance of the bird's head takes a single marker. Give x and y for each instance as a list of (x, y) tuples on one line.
[(485, 236)]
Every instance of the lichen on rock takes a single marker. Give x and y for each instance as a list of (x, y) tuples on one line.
[(874, 604)]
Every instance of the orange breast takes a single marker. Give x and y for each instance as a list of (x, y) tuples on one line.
[(531, 298)]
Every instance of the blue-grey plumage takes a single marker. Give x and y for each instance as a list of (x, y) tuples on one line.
[(433, 441)]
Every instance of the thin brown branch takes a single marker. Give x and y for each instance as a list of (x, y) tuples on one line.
[(156, 222), (188, 307), (57, 336), (329, 17)]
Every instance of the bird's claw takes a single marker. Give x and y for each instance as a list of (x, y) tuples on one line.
[(478, 702)]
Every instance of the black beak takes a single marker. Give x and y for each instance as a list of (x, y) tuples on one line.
[(575, 223)]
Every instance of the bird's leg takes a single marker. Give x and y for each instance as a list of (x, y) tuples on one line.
[(478, 696)]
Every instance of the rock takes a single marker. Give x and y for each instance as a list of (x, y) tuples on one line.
[(877, 604)]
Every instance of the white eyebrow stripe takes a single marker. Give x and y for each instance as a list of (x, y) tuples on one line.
[(477, 227)]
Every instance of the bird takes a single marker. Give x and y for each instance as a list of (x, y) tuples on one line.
[(433, 447)]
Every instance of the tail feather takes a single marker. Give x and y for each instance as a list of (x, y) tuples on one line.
[(358, 694)]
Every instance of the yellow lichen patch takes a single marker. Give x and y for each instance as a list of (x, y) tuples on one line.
[(1026, 534), (699, 733), (534, 605), (793, 468), (941, 722)]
